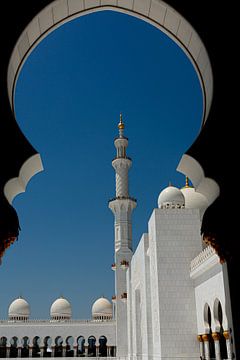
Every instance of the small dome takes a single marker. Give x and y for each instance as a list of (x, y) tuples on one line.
[(194, 200), (61, 309), (171, 197), (102, 309), (19, 309)]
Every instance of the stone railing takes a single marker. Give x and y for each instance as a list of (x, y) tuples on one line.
[(202, 257), (53, 322)]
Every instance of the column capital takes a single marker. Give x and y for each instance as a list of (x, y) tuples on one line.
[(205, 337), (215, 336), (226, 334)]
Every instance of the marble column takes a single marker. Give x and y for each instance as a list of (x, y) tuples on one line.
[(97, 351), (86, 350), (41, 351), (216, 338), (64, 351), (19, 352), (228, 344), (75, 349), (205, 338), (108, 351), (30, 351), (201, 349), (53, 351), (8, 352)]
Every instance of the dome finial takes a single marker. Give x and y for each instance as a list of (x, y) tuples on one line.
[(187, 184), (121, 124)]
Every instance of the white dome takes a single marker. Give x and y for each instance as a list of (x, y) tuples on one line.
[(19, 308), (171, 197), (61, 309), (194, 200), (102, 308)]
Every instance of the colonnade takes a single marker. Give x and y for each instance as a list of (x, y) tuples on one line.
[(222, 347), (13, 348), (29, 352)]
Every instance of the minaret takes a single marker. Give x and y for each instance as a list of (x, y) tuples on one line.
[(122, 206)]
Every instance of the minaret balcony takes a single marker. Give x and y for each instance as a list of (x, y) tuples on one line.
[(114, 298), (123, 198), (114, 267), (124, 297), (121, 157), (124, 264)]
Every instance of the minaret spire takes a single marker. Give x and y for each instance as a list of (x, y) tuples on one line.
[(122, 206), (121, 126)]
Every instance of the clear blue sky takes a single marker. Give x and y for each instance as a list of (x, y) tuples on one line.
[(68, 99)]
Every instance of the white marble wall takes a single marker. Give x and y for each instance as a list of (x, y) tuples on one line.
[(160, 280), (211, 286), (174, 239), (140, 342)]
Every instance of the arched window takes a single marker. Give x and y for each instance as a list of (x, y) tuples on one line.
[(36, 347), (218, 317), (14, 347), (3, 347), (103, 346), (91, 346), (58, 346), (80, 346), (47, 350), (208, 325), (25, 347), (69, 347)]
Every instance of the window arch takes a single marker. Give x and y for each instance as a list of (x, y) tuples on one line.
[(3, 347), (207, 317), (58, 346), (14, 346), (36, 347), (47, 349), (80, 346), (208, 326), (103, 346), (92, 346), (25, 346), (218, 317), (69, 346)]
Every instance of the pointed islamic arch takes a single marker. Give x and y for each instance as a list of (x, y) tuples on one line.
[(156, 12)]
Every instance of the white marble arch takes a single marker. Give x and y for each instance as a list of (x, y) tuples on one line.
[(156, 12)]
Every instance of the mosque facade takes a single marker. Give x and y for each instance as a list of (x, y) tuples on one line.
[(171, 299)]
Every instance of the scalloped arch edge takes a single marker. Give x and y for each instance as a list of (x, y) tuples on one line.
[(203, 185), (17, 185)]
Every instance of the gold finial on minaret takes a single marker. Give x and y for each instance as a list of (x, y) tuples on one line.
[(187, 182), (121, 124)]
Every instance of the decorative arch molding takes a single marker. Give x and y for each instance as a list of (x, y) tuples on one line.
[(207, 318), (157, 13), (219, 314), (203, 185)]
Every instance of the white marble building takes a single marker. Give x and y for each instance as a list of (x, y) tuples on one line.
[(171, 298), (58, 336)]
